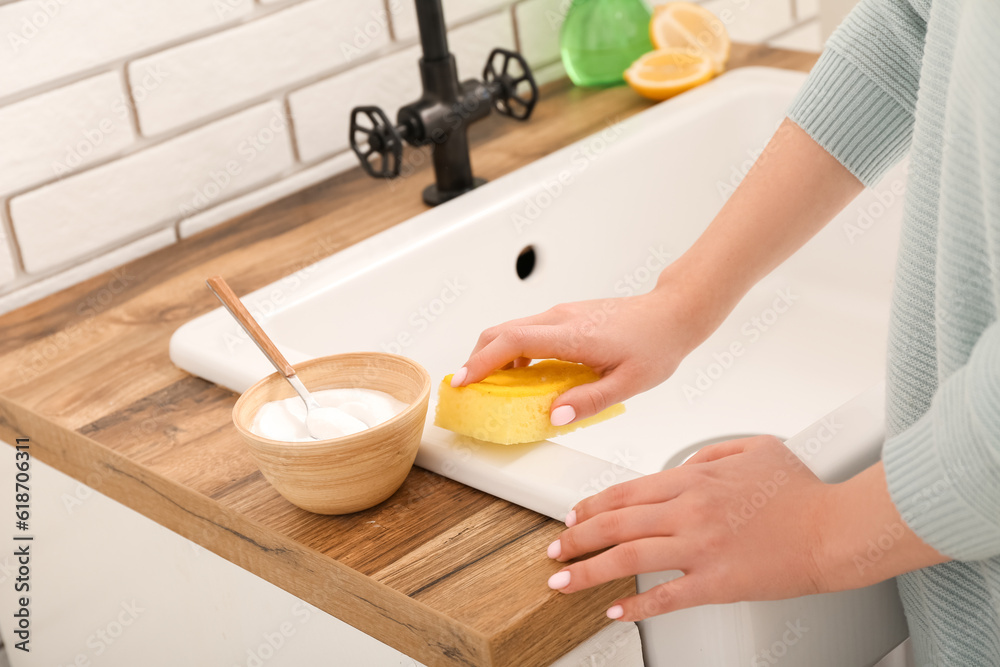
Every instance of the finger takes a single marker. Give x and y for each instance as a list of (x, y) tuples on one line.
[(532, 341), (521, 362), (656, 488), (650, 554), (610, 528), (489, 335), (681, 593), (586, 400), (719, 450)]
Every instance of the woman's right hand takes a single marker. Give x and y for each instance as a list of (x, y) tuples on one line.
[(634, 343)]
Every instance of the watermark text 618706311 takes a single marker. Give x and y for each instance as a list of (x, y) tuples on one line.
[(22, 544)]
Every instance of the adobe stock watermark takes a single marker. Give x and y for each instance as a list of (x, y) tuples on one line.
[(823, 434), (33, 24), (557, 15), (365, 35), (877, 548), (750, 506), (928, 497), (596, 317), (261, 308), (226, 9), (414, 158), (464, 446), (159, 419), (414, 494), (752, 330), (737, 173), (271, 642), (604, 653), (104, 638), (421, 319), (636, 280), (754, 158), (581, 159), (92, 305), (621, 464), (266, 305), (711, 31), (630, 283), (218, 180), (773, 654), (120, 110), (869, 215)]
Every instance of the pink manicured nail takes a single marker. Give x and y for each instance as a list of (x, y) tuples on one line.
[(559, 580), (571, 519), (562, 415), (616, 611), (554, 550), (458, 378)]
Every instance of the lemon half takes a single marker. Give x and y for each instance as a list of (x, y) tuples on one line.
[(690, 26), (667, 72)]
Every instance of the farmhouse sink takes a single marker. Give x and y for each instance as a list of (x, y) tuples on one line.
[(802, 356)]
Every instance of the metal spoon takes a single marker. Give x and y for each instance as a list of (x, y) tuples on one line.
[(322, 423)]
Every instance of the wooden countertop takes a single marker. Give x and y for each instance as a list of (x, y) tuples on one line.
[(442, 572)]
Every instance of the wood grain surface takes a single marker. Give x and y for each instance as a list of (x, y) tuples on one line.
[(440, 571)]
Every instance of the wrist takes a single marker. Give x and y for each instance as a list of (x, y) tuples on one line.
[(864, 540), (831, 547), (694, 298)]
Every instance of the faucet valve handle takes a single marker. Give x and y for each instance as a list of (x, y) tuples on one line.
[(376, 137), (506, 74)]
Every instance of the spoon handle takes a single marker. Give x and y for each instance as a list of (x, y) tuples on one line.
[(228, 297)]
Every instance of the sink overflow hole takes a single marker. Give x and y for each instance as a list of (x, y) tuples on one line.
[(526, 262)]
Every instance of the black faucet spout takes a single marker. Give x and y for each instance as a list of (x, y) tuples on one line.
[(433, 35)]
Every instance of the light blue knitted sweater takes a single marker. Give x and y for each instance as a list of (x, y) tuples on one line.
[(924, 75)]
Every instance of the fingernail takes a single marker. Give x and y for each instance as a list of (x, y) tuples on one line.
[(559, 580), (616, 612), (458, 378), (571, 519), (562, 415), (554, 550)]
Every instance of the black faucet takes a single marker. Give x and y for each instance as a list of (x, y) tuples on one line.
[(444, 112)]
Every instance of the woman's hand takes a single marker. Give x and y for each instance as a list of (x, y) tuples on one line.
[(739, 519), (743, 520), (634, 343)]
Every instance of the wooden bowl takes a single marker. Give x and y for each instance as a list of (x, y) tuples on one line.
[(352, 472)]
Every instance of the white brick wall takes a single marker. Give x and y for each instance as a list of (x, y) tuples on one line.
[(404, 14), (63, 130), (753, 20), (131, 196), (235, 66), (46, 40), (125, 124), (540, 22), (7, 268)]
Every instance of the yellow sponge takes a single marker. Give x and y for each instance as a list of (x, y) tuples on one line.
[(512, 406)]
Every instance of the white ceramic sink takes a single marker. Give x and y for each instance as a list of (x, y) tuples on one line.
[(603, 216)]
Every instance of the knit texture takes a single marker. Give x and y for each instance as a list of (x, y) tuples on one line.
[(924, 75)]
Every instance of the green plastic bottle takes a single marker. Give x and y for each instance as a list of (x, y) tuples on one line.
[(601, 38)]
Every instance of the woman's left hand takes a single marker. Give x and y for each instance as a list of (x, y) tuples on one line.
[(740, 519), (743, 520)]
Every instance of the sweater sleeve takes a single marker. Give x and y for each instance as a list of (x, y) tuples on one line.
[(944, 471), (859, 100)]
